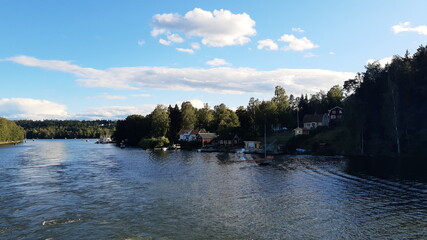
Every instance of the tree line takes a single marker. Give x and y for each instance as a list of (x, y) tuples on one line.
[(386, 109), (247, 121), (10, 132), (58, 129)]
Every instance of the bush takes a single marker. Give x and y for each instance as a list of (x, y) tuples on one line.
[(153, 142)]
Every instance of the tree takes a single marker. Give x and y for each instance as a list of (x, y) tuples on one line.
[(189, 117), (335, 96), (160, 121), (225, 119), (205, 117), (280, 99), (10, 132), (175, 122)]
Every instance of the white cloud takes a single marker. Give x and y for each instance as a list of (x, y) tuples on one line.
[(35, 109), (310, 55), (331, 53), (175, 38), (383, 62), (197, 103), (406, 27), (187, 50), (217, 80), (218, 28), (195, 46), (110, 97), (141, 42), (297, 30), (164, 42), (267, 44), (115, 112), (217, 62), (27, 108), (297, 44)]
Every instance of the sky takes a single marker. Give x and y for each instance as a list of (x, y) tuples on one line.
[(105, 59)]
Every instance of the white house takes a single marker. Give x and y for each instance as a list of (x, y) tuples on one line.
[(188, 135), (312, 121)]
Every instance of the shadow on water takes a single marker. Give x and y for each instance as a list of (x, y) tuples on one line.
[(389, 168)]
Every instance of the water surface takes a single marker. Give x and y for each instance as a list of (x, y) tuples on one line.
[(73, 189)]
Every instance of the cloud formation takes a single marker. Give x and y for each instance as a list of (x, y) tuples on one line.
[(383, 62), (217, 62), (406, 27), (217, 80), (110, 97), (27, 108), (186, 50), (297, 44), (217, 29), (115, 112), (297, 30), (36, 109), (267, 44)]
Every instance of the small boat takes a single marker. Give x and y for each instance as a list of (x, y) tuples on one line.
[(266, 160), (164, 149)]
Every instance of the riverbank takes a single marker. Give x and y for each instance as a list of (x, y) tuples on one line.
[(10, 143)]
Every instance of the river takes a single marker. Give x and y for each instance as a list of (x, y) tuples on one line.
[(73, 189)]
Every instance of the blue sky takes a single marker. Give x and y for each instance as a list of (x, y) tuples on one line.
[(109, 59)]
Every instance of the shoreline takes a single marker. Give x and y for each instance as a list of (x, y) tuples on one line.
[(10, 143)]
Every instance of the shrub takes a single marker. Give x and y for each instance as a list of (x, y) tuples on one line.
[(153, 142)]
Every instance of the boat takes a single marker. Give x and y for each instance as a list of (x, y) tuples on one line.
[(104, 140), (164, 149), (266, 160)]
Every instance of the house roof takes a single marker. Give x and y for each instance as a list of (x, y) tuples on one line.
[(336, 107), (208, 135), (190, 131), (312, 118)]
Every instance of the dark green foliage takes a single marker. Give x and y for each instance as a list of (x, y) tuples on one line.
[(386, 113), (10, 132), (132, 129), (67, 128), (175, 123), (151, 143)]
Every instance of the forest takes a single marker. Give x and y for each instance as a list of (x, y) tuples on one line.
[(10, 132), (385, 114), (66, 128)]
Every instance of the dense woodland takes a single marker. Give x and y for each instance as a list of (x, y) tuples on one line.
[(67, 128), (386, 112), (10, 132)]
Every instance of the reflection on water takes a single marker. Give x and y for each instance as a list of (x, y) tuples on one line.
[(71, 189)]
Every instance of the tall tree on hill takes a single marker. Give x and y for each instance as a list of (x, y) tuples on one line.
[(189, 116), (334, 97)]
